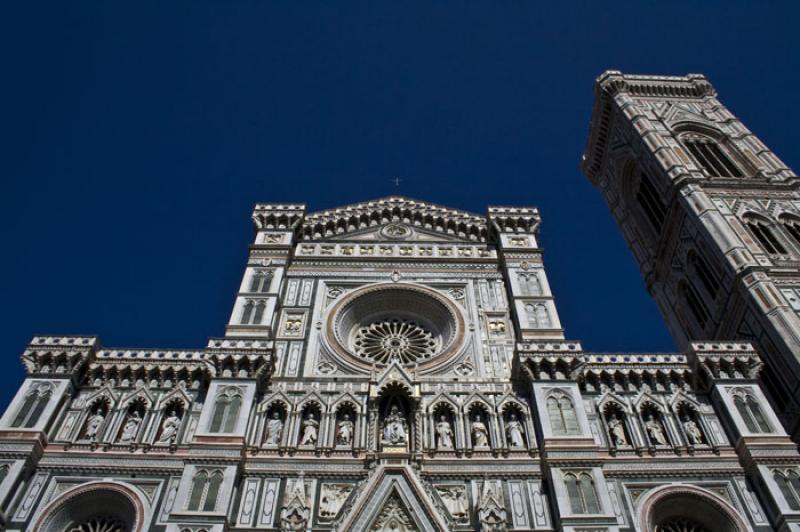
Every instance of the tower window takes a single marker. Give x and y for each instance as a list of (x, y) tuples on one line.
[(651, 202), (789, 484), (751, 413), (711, 157), (253, 312), (260, 281), (695, 304), (709, 280), (765, 234), (793, 228)]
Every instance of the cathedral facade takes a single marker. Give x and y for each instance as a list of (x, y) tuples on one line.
[(396, 365)]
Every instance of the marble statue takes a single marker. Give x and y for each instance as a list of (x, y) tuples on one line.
[(131, 428), (274, 429), (310, 430), (514, 432), (169, 428), (445, 433), (655, 430), (344, 433), (394, 430), (617, 428), (480, 436)]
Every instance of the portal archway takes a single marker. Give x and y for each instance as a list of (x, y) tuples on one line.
[(687, 508), (105, 506)]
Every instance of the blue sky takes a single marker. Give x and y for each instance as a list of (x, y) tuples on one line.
[(137, 136)]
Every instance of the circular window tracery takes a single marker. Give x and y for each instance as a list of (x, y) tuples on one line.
[(404, 340), (379, 323), (99, 524), (681, 525)]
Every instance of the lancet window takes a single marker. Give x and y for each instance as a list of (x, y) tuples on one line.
[(651, 203), (260, 281), (792, 226), (752, 414), (695, 304), (205, 490), (32, 407), (563, 418), (253, 312), (789, 484), (704, 273), (226, 411), (711, 156), (582, 493), (766, 235)]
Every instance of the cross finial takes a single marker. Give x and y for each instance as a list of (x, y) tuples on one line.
[(397, 182)]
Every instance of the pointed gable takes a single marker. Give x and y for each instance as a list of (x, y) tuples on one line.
[(393, 496), (395, 218)]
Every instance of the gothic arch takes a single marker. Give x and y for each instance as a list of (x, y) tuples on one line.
[(114, 502), (691, 504)]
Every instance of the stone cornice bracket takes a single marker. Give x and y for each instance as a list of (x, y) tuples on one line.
[(613, 84), (278, 217), (60, 356), (548, 361), (241, 359), (394, 209), (514, 220), (732, 362)]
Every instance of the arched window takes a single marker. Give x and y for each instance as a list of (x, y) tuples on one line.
[(563, 419), (704, 273), (32, 407), (651, 203), (711, 157), (4, 472), (247, 312), (582, 494), (260, 281), (226, 411), (205, 491), (766, 235), (253, 312), (751, 413), (789, 484), (792, 226), (695, 304)]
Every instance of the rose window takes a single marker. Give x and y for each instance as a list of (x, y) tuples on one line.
[(681, 525), (381, 323), (99, 524), (401, 339)]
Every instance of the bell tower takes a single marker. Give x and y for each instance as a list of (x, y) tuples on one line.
[(711, 215)]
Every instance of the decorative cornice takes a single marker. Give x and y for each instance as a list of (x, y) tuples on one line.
[(613, 83), (359, 216)]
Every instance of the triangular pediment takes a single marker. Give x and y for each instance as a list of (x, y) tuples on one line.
[(394, 497), (395, 233), (395, 218)]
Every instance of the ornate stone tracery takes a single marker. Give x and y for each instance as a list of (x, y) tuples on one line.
[(400, 339)]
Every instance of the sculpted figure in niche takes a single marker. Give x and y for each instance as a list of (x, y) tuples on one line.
[(655, 430), (93, 425), (344, 434), (480, 436), (274, 429), (693, 432), (310, 430), (131, 428), (514, 431), (394, 430), (617, 428), (445, 433), (169, 428)]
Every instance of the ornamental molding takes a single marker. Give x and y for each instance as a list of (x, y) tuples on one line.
[(397, 210)]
